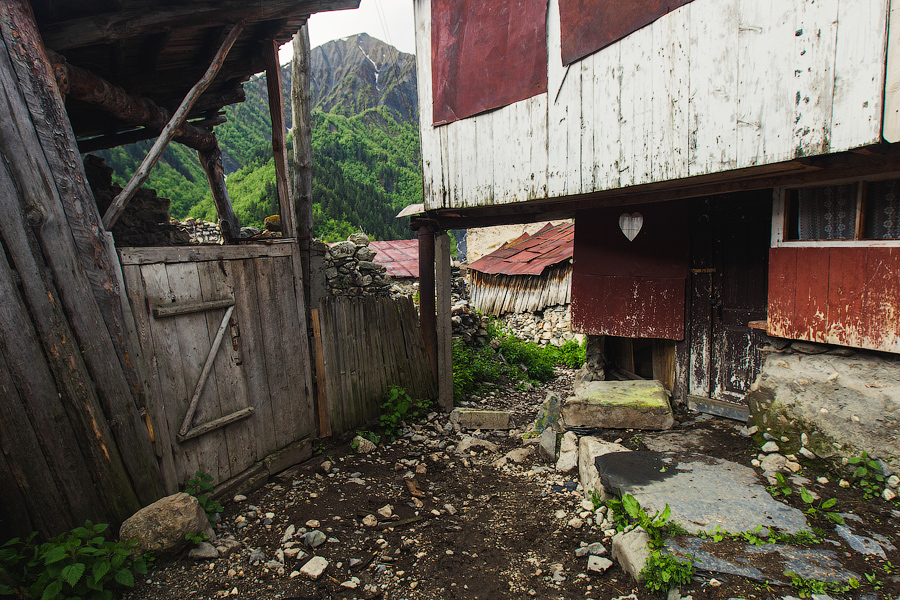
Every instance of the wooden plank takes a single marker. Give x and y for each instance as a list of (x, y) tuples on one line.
[(304, 351), (233, 392), (186, 424), (586, 74), (427, 133), (669, 68), (216, 424), (811, 284), (782, 292), (859, 73), (765, 86), (892, 76), (172, 310), (175, 254), (816, 33), (324, 418), (557, 107), (484, 169), (642, 103), (279, 152), (332, 363), (846, 296), (300, 202), (444, 325), (156, 410), (607, 116), (194, 344), (14, 518), (713, 79), (882, 300), (536, 167), (248, 310)]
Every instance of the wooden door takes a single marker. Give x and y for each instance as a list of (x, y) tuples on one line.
[(729, 262), (224, 331)]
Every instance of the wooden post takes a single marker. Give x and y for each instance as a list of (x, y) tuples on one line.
[(211, 161), (301, 112), (276, 111), (322, 405), (137, 180), (427, 319), (444, 325)]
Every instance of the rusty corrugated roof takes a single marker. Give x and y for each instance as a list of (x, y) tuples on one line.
[(530, 254), (399, 257)]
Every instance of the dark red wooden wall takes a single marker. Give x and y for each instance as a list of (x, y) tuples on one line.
[(839, 295), (631, 288)]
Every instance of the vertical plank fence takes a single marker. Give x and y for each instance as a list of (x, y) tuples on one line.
[(368, 345)]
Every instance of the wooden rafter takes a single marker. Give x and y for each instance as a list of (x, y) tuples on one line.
[(118, 204)]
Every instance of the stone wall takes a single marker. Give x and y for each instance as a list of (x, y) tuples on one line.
[(553, 325), (844, 400), (349, 270), (202, 232)]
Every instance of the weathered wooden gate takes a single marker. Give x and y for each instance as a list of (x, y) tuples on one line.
[(224, 335)]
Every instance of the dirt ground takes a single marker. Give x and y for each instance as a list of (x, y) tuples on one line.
[(473, 531)]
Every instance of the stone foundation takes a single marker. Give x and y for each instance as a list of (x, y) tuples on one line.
[(549, 326), (846, 401), (349, 270)]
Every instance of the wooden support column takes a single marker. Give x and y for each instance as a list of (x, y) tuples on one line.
[(301, 109), (117, 207), (444, 325), (427, 320), (211, 161), (276, 111)]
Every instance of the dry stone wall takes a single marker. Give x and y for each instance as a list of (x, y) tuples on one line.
[(350, 270)]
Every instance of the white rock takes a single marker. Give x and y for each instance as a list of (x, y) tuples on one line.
[(598, 564), (587, 504), (289, 533), (363, 446), (807, 453), (792, 466), (386, 511), (370, 520), (239, 498), (568, 453), (294, 574), (630, 550), (893, 482), (314, 567), (590, 448), (575, 523), (844, 483), (755, 462), (313, 524), (889, 494), (770, 447), (822, 480)]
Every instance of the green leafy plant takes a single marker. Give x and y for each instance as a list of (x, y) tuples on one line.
[(201, 488), (195, 538), (369, 435), (781, 487), (873, 580), (652, 525), (664, 571), (398, 407), (755, 537), (807, 588), (867, 475), (813, 509), (79, 564)]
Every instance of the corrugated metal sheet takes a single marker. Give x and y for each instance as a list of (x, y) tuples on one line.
[(399, 257), (589, 25), (485, 55), (530, 255), (500, 294)]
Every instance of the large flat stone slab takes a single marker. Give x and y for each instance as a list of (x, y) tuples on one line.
[(618, 405), (702, 492), (481, 419)]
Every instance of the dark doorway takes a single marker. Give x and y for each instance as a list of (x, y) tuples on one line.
[(729, 271)]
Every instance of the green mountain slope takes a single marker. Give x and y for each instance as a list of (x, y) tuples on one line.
[(365, 139)]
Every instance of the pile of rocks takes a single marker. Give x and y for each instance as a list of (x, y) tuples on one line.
[(349, 270), (202, 232), (550, 326)]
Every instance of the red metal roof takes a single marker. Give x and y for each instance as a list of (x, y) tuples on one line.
[(530, 254), (399, 257)]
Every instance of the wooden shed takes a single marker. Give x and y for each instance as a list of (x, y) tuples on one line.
[(113, 388), (730, 165), (526, 274)]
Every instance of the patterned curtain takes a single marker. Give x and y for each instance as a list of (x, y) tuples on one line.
[(827, 213), (883, 211)]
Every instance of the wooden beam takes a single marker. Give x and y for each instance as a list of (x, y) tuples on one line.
[(84, 85), (321, 379), (118, 204), (444, 325), (301, 109), (211, 161), (279, 152), (105, 28), (427, 320)]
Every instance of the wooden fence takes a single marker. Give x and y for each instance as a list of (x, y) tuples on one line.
[(366, 346)]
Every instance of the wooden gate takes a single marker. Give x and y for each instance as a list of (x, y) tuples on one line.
[(224, 334)]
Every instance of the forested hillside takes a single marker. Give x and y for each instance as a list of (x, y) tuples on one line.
[(365, 138)]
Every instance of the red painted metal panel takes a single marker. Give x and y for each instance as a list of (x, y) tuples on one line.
[(846, 296), (811, 303), (399, 257), (530, 255), (485, 55), (782, 291), (882, 300), (634, 307), (589, 25)]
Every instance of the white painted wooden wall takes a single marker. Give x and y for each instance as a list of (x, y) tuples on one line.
[(713, 86)]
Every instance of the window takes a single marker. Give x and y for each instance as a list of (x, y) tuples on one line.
[(856, 211)]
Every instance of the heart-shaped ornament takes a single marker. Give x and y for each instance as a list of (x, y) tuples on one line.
[(631, 224)]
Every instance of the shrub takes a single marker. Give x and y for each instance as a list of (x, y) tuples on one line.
[(201, 488), (399, 407), (78, 564)]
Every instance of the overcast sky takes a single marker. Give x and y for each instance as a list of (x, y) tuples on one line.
[(390, 21)]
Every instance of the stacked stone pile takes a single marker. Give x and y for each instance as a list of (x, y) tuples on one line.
[(349, 270), (202, 232), (550, 326)]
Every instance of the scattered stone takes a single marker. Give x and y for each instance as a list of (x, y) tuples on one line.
[(807, 453), (619, 405), (363, 446), (257, 555), (575, 523), (568, 453), (549, 413), (547, 447), (770, 447), (204, 551), (598, 564), (792, 466), (518, 455), (289, 533), (314, 567), (313, 524), (589, 448), (450, 509), (893, 482), (772, 463), (326, 466), (314, 538), (370, 520), (239, 498), (161, 527), (481, 419), (630, 551), (386, 511), (469, 442), (888, 494)]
